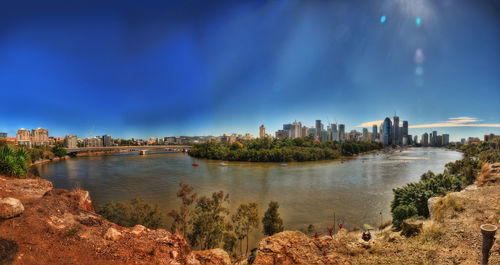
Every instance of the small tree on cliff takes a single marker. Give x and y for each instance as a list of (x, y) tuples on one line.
[(272, 222), (208, 221), (246, 218), (180, 216)]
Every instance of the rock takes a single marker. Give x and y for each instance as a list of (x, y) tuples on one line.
[(394, 237), (112, 234), (411, 227), (138, 229), (430, 204), (212, 257), (10, 207)]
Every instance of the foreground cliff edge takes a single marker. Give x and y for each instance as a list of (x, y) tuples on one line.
[(59, 227)]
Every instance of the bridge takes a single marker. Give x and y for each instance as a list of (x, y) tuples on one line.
[(140, 149)]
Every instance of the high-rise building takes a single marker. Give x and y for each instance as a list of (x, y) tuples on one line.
[(334, 132), (434, 138), (107, 141), (396, 136), (262, 131), (365, 134), (319, 129), (415, 139), (387, 131), (446, 139), (304, 131), (3, 135), (287, 128), (425, 140), (23, 137), (40, 137), (405, 131), (324, 136), (462, 141), (70, 141), (341, 132), (374, 132), (295, 130)]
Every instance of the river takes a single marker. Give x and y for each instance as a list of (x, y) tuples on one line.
[(356, 190)]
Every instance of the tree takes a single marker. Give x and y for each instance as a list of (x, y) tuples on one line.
[(208, 221), (138, 211), (180, 217), (272, 221), (13, 162), (246, 218), (59, 151)]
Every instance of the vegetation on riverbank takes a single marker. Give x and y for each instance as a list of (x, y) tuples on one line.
[(205, 222), (411, 199), (280, 150)]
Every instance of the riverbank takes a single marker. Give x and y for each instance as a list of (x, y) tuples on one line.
[(60, 227)]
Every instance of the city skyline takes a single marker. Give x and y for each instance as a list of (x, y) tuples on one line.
[(231, 66)]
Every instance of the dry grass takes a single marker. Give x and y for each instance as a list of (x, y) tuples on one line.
[(384, 224), (451, 204), (432, 231)]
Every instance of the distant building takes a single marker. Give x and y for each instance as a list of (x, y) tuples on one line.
[(93, 142), (107, 141), (311, 132), (365, 134), (415, 139), (334, 132), (434, 138), (374, 133), (425, 140), (288, 129), (387, 131), (262, 131), (324, 136), (3, 135), (396, 135), (446, 139), (304, 131), (281, 134), (295, 130), (341, 132), (70, 141), (319, 129), (40, 137), (23, 137), (405, 132)]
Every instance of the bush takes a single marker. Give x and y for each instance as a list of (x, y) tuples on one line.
[(137, 212), (59, 151), (447, 204), (13, 162)]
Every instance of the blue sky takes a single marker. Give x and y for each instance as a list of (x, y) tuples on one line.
[(213, 67)]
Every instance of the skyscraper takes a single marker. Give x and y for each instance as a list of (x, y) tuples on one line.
[(405, 131), (434, 138), (365, 134), (341, 132), (395, 137), (262, 131), (425, 139), (387, 131), (335, 133), (446, 139), (374, 133), (287, 128), (318, 129)]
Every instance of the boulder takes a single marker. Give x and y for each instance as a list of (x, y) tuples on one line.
[(112, 234), (212, 257), (10, 207), (411, 227), (138, 229), (430, 205)]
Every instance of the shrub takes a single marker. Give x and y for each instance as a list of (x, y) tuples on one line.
[(272, 221), (432, 232), (59, 151), (138, 211), (13, 162)]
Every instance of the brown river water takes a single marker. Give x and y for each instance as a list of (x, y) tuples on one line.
[(358, 190)]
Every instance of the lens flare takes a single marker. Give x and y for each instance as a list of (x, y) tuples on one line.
[(419, 56), (418, 21), (419, 70), (383, 18)]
